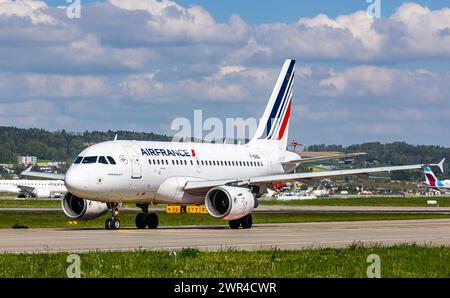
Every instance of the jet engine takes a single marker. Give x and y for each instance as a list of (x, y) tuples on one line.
[(78, 208), (41, 193), (229, 202)]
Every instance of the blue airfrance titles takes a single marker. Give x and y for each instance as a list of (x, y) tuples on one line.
[(166, 152)]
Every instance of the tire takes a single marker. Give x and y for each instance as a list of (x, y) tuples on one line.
[(115, 224), (246, 221), (234, 224), (141, 221), (108, 224), (152, 220)]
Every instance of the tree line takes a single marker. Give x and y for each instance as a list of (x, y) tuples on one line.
[(64, 146), (59, 145)]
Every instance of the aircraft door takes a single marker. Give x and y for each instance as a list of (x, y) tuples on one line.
[(136, 170), (197, 164)]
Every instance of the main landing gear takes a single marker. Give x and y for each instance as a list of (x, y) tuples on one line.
[(146, 219), (245, 222), (113, 223)]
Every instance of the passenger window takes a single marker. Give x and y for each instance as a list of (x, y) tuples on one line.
[(202, 163), (167, 162), (111, 160), (90, 159), (173, 162), (102, 159), (78, 160), (185, 162)]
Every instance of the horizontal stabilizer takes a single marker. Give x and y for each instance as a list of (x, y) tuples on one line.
[(324, 157), (52, 176)]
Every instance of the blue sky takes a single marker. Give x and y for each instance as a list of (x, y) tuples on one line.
[(139, 64), (271, 11)]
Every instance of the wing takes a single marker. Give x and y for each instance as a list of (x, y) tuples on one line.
[(202, 186), (324, 157), (52, 176), (329, 174)]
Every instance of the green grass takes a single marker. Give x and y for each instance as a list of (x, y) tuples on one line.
[(398, 261), (34, 203), (59, 220), (363, 201)]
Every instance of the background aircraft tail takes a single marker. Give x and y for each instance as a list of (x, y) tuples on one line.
[(274, 125), (430, 177)]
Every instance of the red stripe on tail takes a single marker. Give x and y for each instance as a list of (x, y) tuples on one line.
[(285, 120)]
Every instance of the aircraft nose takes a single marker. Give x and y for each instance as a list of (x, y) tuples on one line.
[(76, 180)]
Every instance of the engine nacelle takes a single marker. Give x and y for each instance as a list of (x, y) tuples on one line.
[(41, 193), (78, 208), (229, 202)]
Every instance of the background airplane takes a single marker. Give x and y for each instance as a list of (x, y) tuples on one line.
[(432, 181), (228, 178), (34, 188)]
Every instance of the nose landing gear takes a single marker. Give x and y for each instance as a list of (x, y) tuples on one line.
[(113, 223), (146, 219)]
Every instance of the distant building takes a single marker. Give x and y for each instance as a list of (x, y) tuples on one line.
[(26, 160)]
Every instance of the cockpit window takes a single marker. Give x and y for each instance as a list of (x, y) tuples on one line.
[(102, 159), (78, 160), (90, 159), (111, 160)]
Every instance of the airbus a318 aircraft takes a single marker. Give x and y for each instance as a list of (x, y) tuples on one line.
[(227, 178)]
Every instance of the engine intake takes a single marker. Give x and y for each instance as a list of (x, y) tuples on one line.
[(229, 202), (78, 208)]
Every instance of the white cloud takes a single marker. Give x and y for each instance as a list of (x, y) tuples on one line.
[(167, 19), (34, 10), (371, 81)]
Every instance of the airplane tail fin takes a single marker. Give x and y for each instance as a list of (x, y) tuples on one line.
[(430, 177), (274, 125)]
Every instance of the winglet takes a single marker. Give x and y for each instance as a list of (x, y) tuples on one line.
[(115, 138), (440, 165), (27, 170)]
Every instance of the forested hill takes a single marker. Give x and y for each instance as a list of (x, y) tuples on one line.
[(397, 153), (60, 145)]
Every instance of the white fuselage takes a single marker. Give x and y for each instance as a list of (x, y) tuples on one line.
[(156, 171), (33, 187)]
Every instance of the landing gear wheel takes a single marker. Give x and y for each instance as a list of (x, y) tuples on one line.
[(141, 221), (234, 224), (108, 224), (152, 220), (115, 224), (246, 221)]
